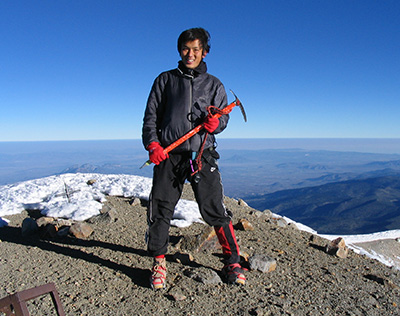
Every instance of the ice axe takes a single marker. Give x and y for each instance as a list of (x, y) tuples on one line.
[(217, 114)]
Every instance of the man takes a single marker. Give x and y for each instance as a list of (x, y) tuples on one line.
[(178, 102)]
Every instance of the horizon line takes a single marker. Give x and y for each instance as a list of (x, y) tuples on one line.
[(219, 138)]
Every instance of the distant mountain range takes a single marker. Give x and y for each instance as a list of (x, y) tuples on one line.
[(348, 207), (251, 173), (329, 190)]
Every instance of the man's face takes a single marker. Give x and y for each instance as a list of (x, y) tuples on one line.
[(192, 54)]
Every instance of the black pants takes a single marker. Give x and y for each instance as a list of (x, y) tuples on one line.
[(168, 180)]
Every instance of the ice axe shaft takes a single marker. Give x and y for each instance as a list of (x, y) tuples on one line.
[(219, 112)]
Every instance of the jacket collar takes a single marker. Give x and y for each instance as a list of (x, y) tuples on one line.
[(192, 73)]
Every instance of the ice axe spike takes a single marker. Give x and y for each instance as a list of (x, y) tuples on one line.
[(219, 112)]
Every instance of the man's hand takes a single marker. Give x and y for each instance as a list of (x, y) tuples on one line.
[(156, 153), (211, 123)]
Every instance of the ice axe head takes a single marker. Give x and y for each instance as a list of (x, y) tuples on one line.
[(239, 104)]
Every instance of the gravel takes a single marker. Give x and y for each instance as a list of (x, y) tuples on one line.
[(108, 273)]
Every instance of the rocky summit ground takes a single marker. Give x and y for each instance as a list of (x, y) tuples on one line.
[(108, 272)]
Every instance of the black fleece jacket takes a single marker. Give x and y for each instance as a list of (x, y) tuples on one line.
[(178, 102)]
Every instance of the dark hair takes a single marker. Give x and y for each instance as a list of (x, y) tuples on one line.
[(192, 34)]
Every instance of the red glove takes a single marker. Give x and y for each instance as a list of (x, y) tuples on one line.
[(156, 153), (211, 123)]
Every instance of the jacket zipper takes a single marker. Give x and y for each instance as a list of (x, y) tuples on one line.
[(191, 104), (190, 108)]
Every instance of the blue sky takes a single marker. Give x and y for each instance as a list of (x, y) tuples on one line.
[(80, 70)]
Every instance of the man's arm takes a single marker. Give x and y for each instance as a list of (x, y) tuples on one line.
[(151, 115)]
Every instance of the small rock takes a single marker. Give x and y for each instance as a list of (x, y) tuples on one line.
[(49, 231), (262, 263), (204, 241), (44, 220), (135, 202), (64, 222), (256, 213), (279, 221), (244, 224), (63, 232), (184, 258), (104, 217), (342, 252), (29, 227), (91, 182), (337, 247), (267, 212), (81, 230), (178, 296), (203, 275), (242, 203)]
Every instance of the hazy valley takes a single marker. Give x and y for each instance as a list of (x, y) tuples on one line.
[(329, 190)]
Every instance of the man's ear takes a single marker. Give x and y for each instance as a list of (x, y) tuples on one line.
[(204, 54)]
